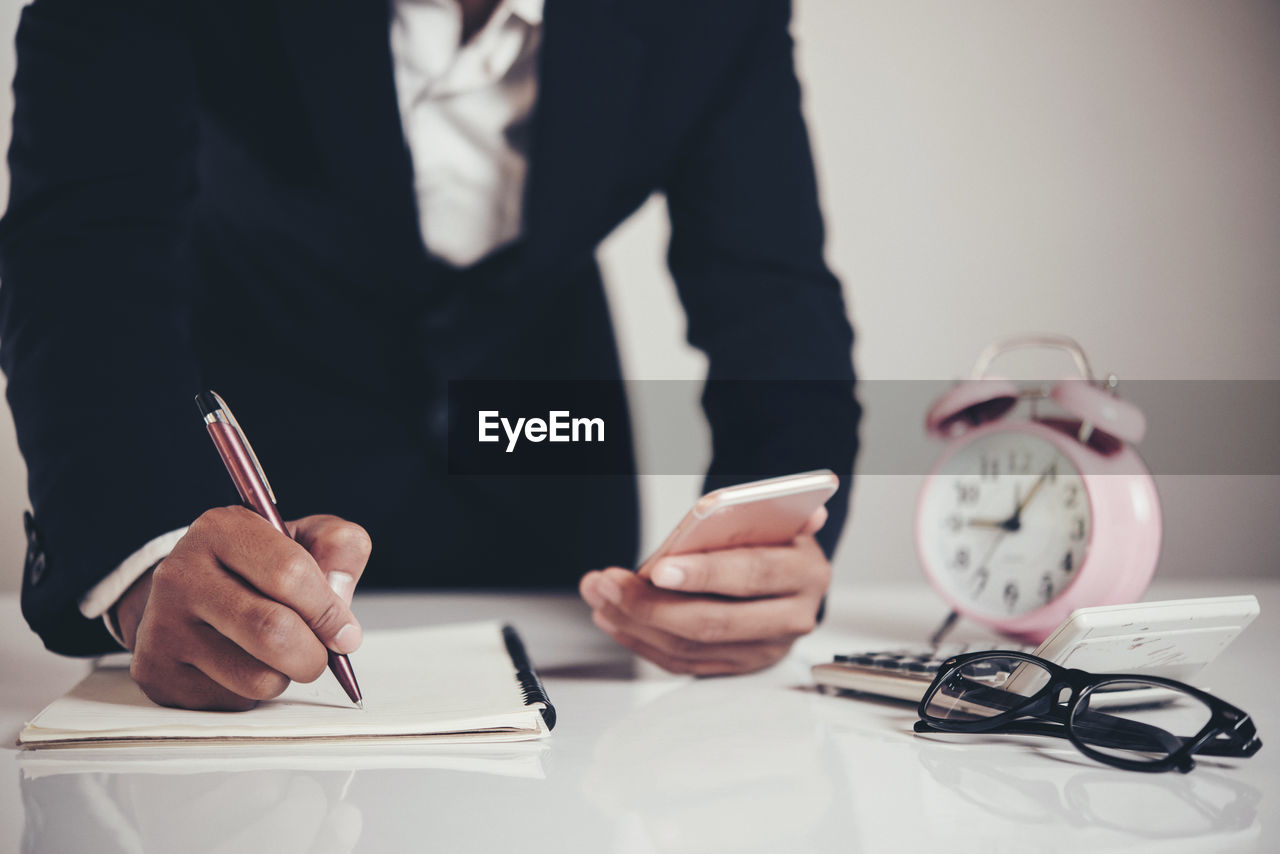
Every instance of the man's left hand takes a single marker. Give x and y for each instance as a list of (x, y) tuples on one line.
[(719, 612)]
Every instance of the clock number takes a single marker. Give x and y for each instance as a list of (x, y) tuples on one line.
[(966, 494), (980, 580), (961, 560), (1046, 587), (1077, 531), (1073, 495), (1011, 595), (989, 468), (1068, 562), (1019, 462), (953, 523)]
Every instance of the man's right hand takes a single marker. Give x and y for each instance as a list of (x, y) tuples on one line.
[(238, 610)]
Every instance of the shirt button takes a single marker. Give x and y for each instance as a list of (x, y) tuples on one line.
[(37, 562), (36, 571)]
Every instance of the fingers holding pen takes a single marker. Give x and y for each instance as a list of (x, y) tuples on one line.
[(237, 670), (238, 609), (179, 660), (169, 682), (340, 548), (268, 631), (286, 572)]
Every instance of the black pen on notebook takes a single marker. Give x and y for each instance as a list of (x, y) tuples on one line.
[(255, 491)]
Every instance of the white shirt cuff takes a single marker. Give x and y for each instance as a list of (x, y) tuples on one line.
[(98, 601)]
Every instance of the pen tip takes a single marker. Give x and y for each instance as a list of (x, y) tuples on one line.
[(360, 705)]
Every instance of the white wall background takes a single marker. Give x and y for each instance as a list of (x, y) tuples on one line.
[(1106, 170)]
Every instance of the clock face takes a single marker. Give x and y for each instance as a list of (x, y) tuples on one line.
[(1005, 523)]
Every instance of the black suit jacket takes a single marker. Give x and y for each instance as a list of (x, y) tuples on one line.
[(217, 193)]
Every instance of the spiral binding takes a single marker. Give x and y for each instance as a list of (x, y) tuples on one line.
[(530, 684)]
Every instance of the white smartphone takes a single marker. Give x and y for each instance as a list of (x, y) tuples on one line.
[(761, 513)]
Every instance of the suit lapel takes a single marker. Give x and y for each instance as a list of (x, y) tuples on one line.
[(341, 56), (589, 72)]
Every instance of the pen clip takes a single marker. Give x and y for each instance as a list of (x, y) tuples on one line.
[(230, 419)]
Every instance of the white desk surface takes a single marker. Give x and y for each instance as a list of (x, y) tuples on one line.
[(643, 762)]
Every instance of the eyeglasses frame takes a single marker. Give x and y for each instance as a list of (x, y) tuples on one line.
[(1230, 731)]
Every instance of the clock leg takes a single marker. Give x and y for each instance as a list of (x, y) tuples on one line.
[(944, 628)]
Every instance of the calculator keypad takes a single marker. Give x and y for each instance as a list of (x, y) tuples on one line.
[(901, 673)]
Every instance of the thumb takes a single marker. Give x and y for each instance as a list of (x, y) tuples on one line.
[(815, 523), (340, 548)]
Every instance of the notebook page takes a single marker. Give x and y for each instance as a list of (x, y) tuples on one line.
[(452, 678)]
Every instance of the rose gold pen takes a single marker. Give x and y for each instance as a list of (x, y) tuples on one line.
[(255, 491)]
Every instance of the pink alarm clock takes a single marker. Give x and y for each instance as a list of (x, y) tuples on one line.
[(1026, 518)]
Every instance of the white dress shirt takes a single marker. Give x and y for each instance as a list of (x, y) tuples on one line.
[(464, 112)]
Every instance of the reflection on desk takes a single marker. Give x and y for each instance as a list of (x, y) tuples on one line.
[(202, 812), (724, 769), (1056, 791), (651, 763), (262, 798)]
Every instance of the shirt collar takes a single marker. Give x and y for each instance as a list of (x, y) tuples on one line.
[(530, 11)]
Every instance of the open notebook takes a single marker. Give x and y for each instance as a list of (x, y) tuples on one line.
[(467, 682)]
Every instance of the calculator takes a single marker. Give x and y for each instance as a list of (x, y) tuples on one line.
[(1173, 638)]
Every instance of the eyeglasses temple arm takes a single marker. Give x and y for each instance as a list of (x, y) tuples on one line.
[(1095, 735), (1240, 740), (1103, 730)]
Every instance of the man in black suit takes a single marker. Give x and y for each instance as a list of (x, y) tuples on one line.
[(222, 194)]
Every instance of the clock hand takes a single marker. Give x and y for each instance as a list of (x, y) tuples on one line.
[(1053, 469), (1020, 502), (1013, 523), (995, 544)]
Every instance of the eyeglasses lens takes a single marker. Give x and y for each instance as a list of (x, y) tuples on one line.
[(1138, 721), (986, 687)]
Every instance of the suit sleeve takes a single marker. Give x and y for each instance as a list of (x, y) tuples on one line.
[(747, 257), (95, 298)]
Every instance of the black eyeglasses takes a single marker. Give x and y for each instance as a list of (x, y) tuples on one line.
[(1140, 723)]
